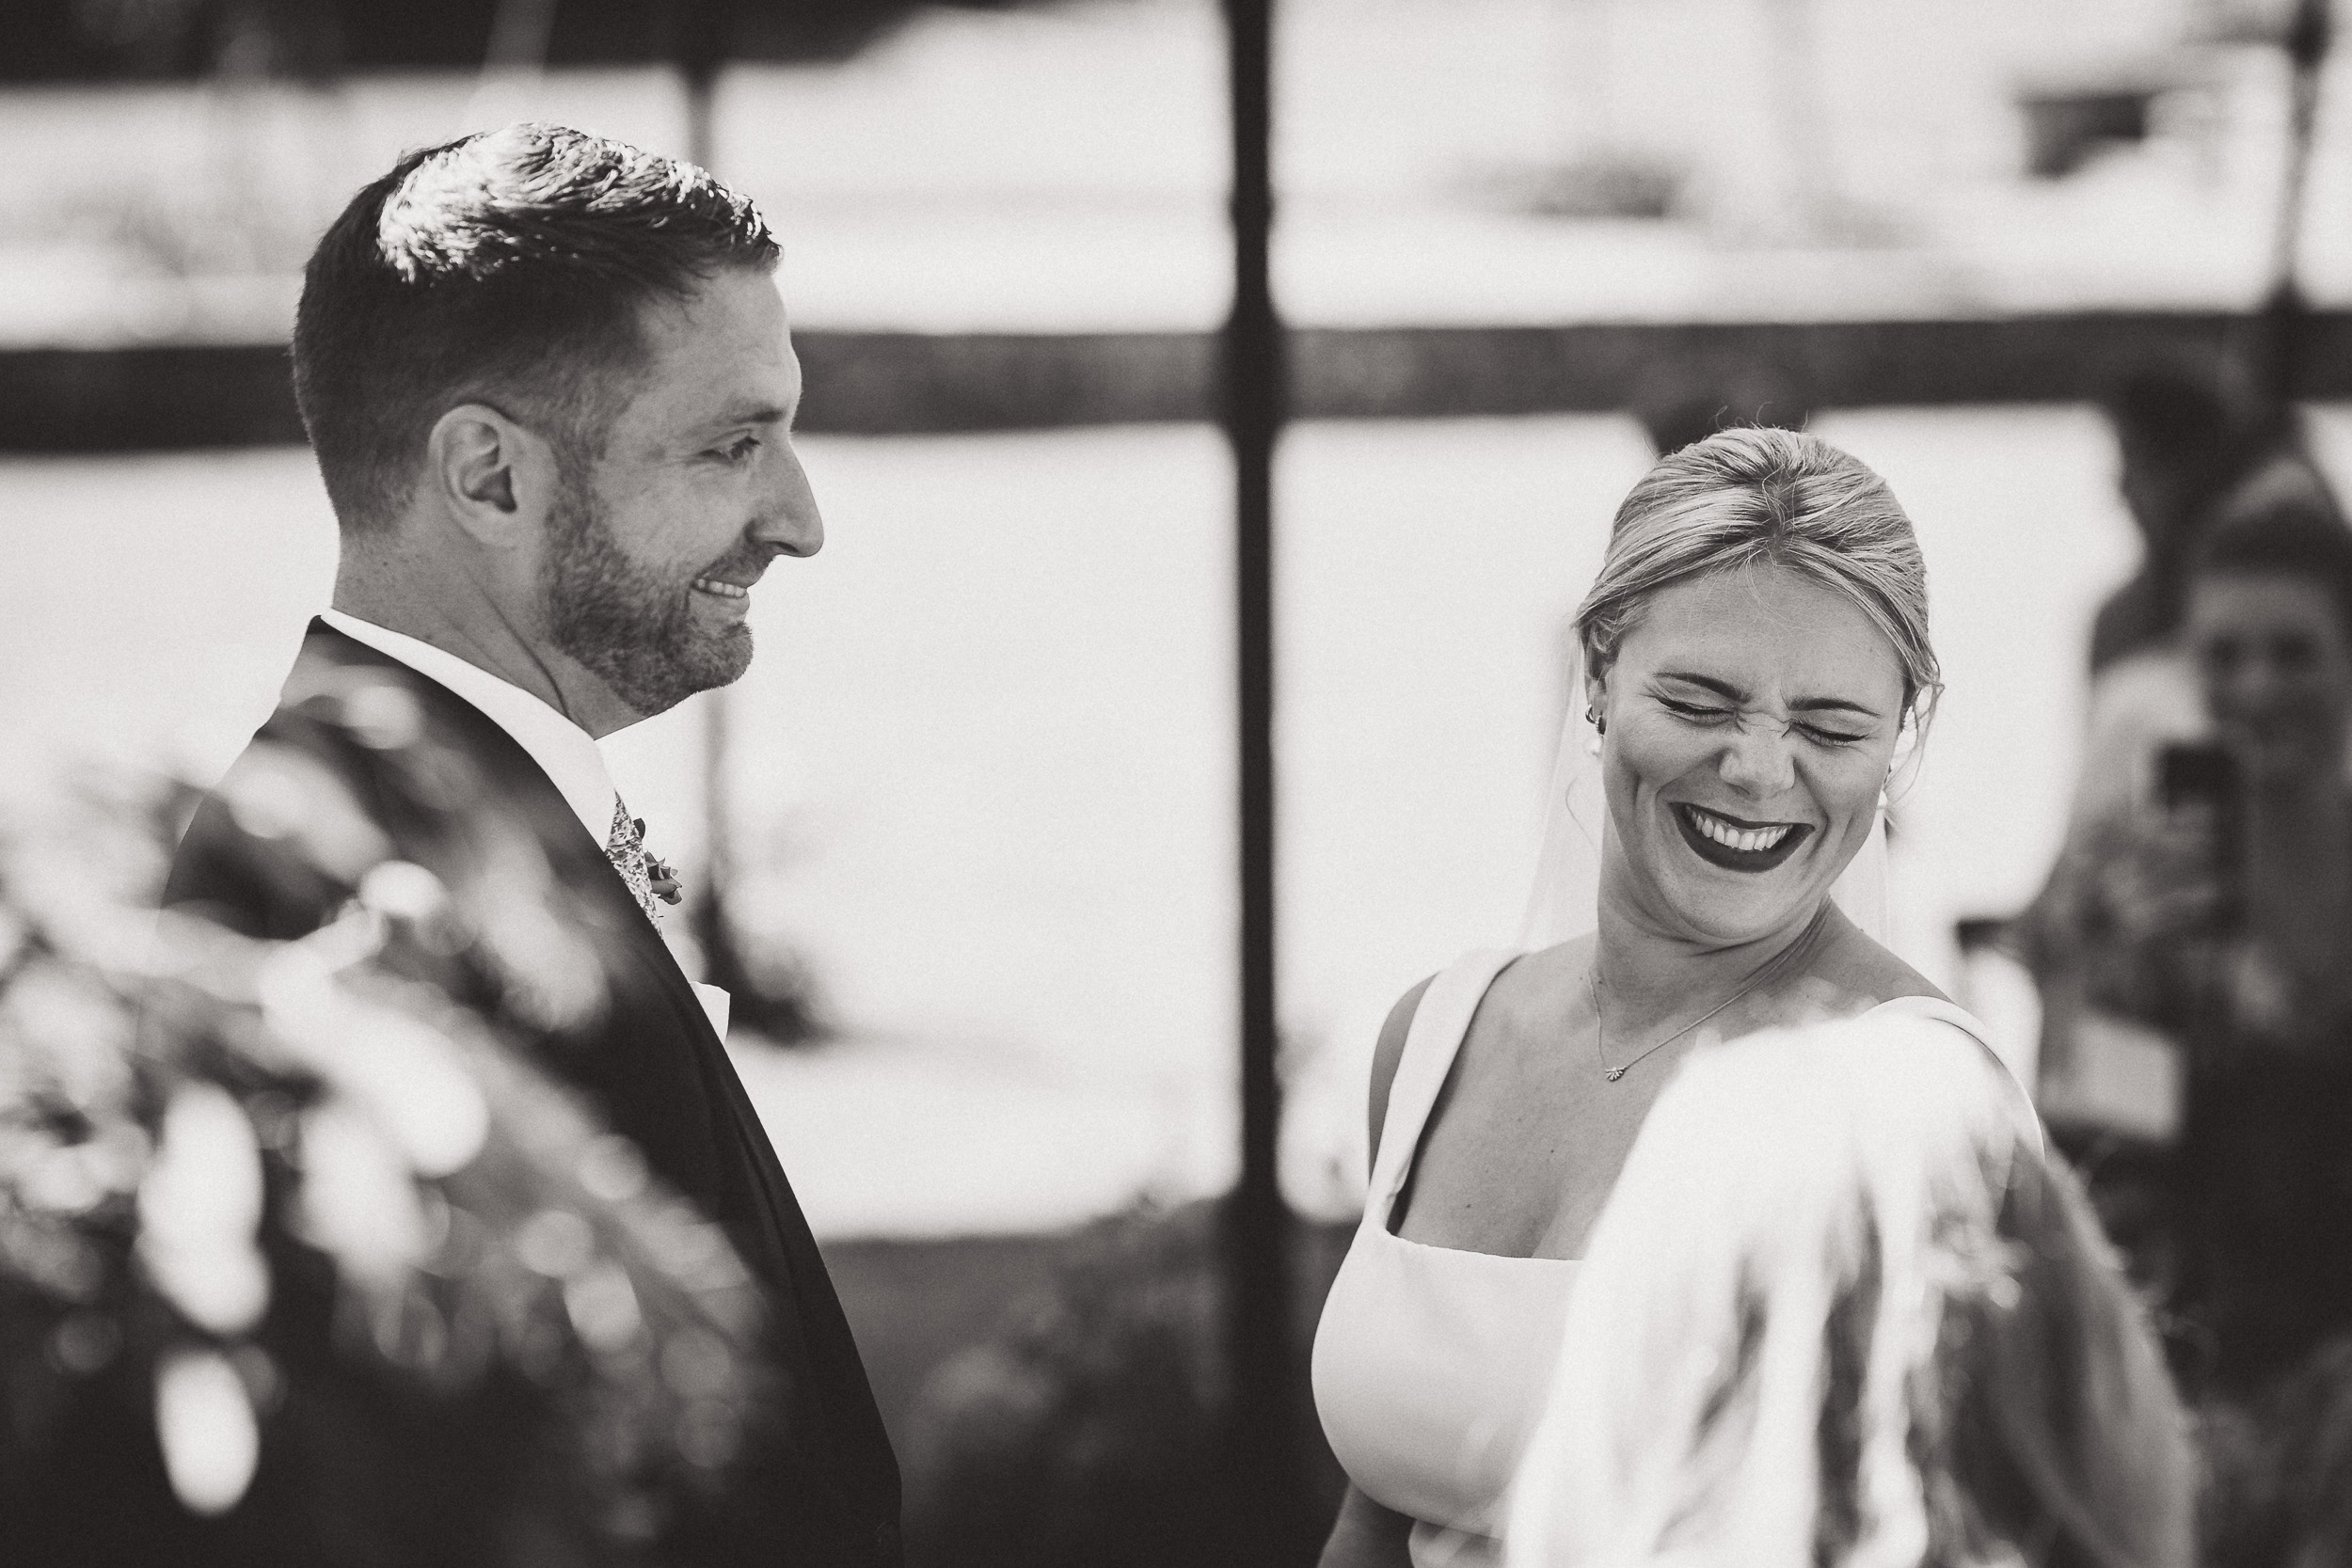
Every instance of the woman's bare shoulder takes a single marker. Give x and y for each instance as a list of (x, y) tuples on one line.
[(1525, 994), (1862, 973), (1533, 987)]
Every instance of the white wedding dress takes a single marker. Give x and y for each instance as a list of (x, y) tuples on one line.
[(1432, 1365)]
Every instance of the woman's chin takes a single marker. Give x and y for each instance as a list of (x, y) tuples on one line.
[(1726, 907)]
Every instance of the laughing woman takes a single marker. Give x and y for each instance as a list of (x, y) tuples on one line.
[(1754, 656)]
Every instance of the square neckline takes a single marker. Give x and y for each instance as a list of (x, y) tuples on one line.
[(1396, 1191), (1923, 1005)]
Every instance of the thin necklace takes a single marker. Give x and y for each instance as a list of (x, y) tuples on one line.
[(1591, 980)]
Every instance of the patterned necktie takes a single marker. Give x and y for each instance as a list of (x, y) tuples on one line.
[(626, 849)]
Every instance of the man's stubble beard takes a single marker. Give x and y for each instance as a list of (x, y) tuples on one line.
[(622, 621)]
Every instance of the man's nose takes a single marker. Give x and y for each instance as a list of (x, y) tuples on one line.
[(1757, 762), (2250, 685), (790, 522)]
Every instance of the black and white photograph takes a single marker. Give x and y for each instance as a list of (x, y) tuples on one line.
[(1289, 783)]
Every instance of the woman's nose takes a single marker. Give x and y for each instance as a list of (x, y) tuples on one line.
[(1757, 762)]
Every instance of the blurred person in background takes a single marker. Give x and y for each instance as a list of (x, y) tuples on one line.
[(2197, 443), (1841, 1310), (550, 389), (2194, 438), (1755, 656), (2195, 952)]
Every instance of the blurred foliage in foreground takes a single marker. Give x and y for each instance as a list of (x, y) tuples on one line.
[(296, 1201)]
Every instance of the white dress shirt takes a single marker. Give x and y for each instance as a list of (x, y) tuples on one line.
[(565, 753)]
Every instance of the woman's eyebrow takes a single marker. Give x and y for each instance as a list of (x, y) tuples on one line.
[(1721, 687)]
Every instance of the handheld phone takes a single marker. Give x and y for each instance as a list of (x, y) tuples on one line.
[(2197, 773), (2204, 777), (2104, 1075)]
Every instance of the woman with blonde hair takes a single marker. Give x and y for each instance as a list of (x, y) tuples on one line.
[(1841, 1310), (1756, 664)]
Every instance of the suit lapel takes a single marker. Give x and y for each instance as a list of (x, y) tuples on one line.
[(534, 798)]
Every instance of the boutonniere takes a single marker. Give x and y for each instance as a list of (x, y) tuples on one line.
[(661, 877)]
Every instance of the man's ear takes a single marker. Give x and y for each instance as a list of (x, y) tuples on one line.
[(494, 478)]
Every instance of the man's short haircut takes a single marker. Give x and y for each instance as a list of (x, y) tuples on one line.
[(2297, 537), (2194, 412), (504, 268)]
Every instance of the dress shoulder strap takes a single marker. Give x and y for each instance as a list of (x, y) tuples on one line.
[(1941, 1011), (1959, 1017), (1438, 1024)]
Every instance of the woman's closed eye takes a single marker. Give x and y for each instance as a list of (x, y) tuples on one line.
[(1698, 713), (1709, 713)]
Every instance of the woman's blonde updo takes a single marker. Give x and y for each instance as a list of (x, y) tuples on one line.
[(1781, 496)]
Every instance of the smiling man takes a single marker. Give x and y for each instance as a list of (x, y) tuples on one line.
[(550, 387)]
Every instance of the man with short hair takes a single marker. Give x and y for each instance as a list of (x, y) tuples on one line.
[(550, 387)]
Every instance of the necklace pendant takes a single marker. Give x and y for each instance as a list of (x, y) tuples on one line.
[(1616, 1075)]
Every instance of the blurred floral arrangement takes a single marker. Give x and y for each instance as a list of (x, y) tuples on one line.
[(1088, 1427), (199, 1127)]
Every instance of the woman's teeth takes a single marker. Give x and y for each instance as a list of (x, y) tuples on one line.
[(724, 590), (1746, 840)]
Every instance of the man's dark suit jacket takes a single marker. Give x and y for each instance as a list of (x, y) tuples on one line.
[(824, 1490)]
